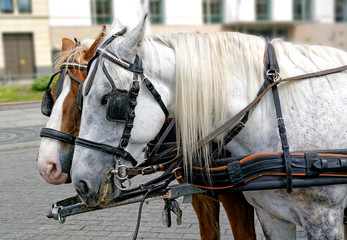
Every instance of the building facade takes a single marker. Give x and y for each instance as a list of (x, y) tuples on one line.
[(25, 48), (31, 30)]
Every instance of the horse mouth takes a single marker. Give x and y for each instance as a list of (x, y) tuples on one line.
[(106, 190), (106, 193)]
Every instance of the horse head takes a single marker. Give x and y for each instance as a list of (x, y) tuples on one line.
[(111, 138), (61, 103)]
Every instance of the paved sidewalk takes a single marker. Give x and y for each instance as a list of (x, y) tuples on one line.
[(25, 197)]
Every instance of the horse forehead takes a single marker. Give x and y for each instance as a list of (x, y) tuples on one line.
[(80, 74)]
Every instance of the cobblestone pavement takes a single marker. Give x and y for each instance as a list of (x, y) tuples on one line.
[(25, 197)]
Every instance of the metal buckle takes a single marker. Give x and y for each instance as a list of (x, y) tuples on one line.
[(276, 76)]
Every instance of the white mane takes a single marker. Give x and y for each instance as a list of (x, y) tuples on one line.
[(205, 65)]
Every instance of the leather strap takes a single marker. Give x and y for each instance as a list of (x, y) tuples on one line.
[(272, 69), (162, 137), (235, 172), (155, 94), (57, 135), (234, 119), (116, 151), (97, 57), (237, 129), (91, 75)]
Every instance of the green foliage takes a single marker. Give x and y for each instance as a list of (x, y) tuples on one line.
[(40, 83), (19, 93)]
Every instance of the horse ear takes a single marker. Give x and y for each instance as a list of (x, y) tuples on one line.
[(68, 44), (91, 51), (116, 25), (135, 36)]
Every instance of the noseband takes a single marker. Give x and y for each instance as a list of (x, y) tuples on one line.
[(120, 104)]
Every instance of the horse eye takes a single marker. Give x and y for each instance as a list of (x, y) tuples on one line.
[(104, 99)]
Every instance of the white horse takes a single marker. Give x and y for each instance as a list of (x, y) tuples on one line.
[(204, 79)]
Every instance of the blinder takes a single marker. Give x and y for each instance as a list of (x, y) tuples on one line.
[(117, 107), (48, 101)]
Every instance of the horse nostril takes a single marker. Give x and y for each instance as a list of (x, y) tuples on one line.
[(82, 188)]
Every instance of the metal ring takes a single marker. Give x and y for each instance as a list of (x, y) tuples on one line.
[(60, 219), (143, 170), (121, 187), (118, 172), (175, 169), (276, 76)]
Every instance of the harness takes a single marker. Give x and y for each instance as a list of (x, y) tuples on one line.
[(252, 172), (262, 171)]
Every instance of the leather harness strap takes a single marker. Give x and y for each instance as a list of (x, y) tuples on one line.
[(57, 135), (234, 119), (272, 72), (235, 173)]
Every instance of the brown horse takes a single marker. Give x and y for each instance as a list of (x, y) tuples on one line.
[(67, 119), (66, 116)]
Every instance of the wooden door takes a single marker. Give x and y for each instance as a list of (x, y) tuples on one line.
[(19, 55)]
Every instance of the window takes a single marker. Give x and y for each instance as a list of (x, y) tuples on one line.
[(6, 6), (156, 10), (263, 10), (341, 11), (269, 33), (302, 10), (24, 6), (101, 11), (212, 11)]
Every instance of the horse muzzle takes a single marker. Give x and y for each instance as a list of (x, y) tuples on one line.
[(109, 189)]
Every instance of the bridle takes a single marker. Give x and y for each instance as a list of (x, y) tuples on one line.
[(120, 105), (48, 102)]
